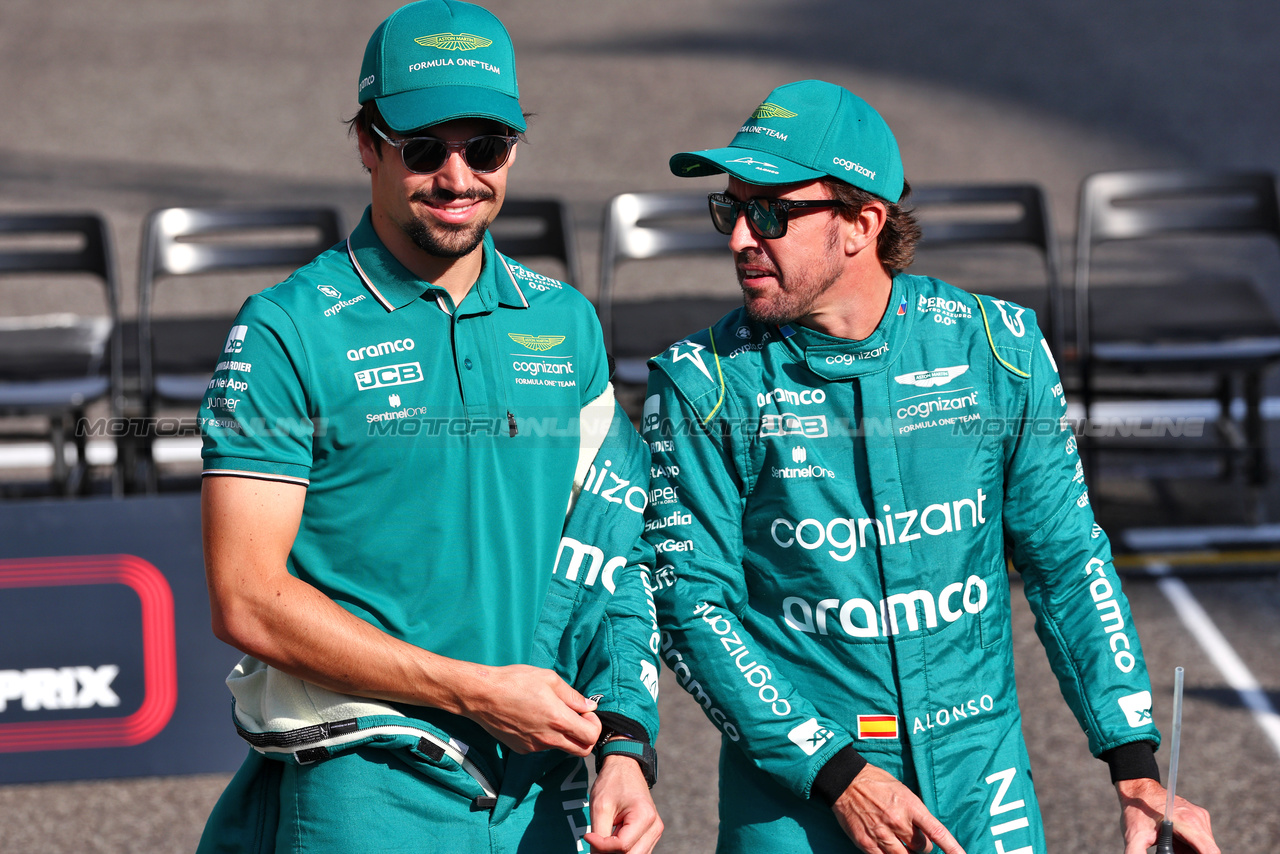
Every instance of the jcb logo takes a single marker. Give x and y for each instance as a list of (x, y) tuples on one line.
[(410, 372), (789, 424)]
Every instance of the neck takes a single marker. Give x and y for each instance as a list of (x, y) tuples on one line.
[(853, 307), (455, 275)]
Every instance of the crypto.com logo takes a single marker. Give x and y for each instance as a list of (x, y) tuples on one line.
[(160, 672)]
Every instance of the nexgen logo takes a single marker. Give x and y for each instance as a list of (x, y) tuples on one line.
[(410, 372)]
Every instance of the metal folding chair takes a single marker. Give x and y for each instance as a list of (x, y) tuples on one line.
[(538, 228), (177, 355), (982, 215), (640, 226), (55, 365), (1142, 336)]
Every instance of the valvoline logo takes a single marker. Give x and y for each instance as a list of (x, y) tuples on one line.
[(87, 653)]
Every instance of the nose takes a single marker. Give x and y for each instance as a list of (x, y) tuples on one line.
[(742, 237), (454, 176)]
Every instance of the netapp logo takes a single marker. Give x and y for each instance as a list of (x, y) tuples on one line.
[(62, 688)]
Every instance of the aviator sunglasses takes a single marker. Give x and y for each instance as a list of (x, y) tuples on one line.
[(426, 154), (766, 217)]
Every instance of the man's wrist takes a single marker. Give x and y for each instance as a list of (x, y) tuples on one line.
[(619, 744), (1133, 761), (837, 774)]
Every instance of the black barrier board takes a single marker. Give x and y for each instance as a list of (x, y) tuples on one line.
[(108, 667)]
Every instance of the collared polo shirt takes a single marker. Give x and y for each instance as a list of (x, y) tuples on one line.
[(436, 442)]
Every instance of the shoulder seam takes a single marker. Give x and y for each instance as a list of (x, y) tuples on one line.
[(986, 328)]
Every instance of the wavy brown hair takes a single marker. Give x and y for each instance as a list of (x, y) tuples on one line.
[(896, 244)]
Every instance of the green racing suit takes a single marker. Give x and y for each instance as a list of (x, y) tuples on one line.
[(833, 521)]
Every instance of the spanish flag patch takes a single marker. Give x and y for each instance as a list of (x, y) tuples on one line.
[(877, 726)]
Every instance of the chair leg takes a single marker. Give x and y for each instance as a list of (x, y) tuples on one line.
[(1226, 427), (58, 438), (1255, 429)]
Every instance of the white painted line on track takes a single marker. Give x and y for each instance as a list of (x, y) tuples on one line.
[(1197, 620)]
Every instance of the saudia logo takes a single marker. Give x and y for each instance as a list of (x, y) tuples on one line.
[(536, 342), (772, 111), (454, 41)]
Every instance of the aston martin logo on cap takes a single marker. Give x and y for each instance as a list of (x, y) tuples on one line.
[(772, 111), (454, 41), (536, 342)]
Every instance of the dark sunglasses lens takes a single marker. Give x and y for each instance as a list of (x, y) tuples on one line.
[(424, 155), (487, 153), (768, 220), (724, 213)]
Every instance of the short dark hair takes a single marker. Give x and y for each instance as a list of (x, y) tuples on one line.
[(896, 245)]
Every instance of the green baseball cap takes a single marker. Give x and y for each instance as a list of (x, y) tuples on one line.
[(437, 60), (802, 132)]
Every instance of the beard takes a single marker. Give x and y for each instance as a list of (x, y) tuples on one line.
[(797, 292), (447, 240)]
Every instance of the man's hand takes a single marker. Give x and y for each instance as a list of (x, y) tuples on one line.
[(881, 815), (623, 817), (530, 709), (1142, 804)]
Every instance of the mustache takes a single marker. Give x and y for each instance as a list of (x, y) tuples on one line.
[(756, 258), (440, 197)]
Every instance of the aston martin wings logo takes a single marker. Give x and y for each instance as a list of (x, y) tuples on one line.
[(772, 111), (536, 342), (937, 376), (454, 41)]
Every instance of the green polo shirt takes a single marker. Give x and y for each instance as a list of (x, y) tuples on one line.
[(437, 442)]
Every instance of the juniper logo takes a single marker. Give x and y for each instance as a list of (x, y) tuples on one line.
[(772, 111), (454, 41), (536, 342)]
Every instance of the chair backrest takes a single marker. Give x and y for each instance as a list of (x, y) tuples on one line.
[(551, 235), (95, 343), (995, 214), (1140, 204), (184, 241), (647, 225)]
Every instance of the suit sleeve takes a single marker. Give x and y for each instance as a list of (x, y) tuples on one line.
[(694, 523), (1082, 615)]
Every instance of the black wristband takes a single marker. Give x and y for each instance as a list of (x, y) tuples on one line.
[(640, 751), (1133, 761), (837, 774)]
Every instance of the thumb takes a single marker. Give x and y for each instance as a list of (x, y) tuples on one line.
[(574, 700)]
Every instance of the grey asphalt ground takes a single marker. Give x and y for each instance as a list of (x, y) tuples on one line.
[(126, 105)]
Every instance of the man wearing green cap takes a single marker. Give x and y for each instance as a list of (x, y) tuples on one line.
[(422, 509), (840, 467)]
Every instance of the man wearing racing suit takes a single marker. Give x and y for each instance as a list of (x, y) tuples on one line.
[(422, 509), (838, 468)]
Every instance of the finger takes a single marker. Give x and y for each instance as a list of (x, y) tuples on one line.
[(571, 698), (933, 831)]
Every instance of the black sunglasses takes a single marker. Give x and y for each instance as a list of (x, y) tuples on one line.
[(766, 217), (426, 154)]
